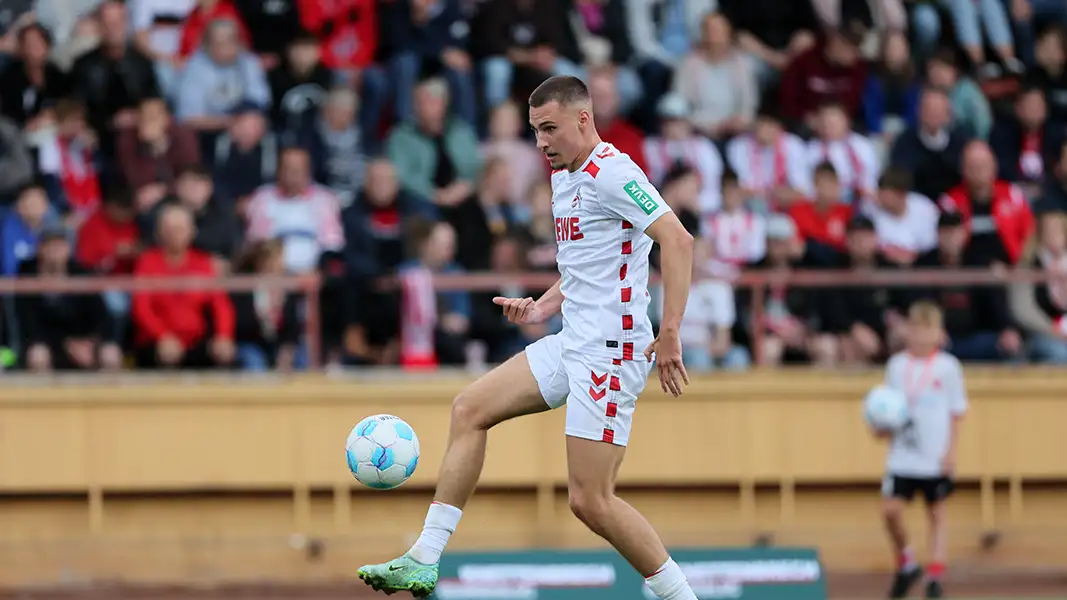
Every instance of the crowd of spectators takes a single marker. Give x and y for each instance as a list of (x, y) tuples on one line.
[(359, 139)]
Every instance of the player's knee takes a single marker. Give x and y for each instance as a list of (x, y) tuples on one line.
[(892, 509), (590, 506), (468, 412)]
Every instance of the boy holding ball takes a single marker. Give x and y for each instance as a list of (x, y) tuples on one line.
[(922, 455)]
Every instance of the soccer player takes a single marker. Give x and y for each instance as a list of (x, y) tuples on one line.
[(922, 456), (607, 216)]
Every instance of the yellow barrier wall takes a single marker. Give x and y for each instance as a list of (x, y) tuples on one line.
[(181, 480)]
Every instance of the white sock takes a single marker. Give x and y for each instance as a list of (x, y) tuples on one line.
[(668, 583), (441, 523)]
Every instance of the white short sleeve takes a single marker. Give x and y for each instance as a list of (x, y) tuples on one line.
[(623, 189)]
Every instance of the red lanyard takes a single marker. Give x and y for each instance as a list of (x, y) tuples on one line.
[(913, 386)]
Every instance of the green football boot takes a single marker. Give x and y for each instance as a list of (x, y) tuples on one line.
[(403, 574)]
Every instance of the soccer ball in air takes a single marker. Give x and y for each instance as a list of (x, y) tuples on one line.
[(382, 452), (885, 409)]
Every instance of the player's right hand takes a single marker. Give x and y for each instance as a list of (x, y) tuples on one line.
[(521, 311)]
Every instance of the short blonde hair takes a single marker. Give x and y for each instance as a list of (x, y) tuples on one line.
[(925, 312)]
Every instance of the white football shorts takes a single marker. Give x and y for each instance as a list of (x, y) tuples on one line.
[(600, 393)]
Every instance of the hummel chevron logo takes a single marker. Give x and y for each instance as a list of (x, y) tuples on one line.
[(596, 394), (598, 381)]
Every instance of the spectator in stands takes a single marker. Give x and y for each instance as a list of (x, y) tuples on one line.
[(614, 128), (540, 232), (891, 97), (719, 82), (970, 111), (736, 236), (197, 25), (21, 227), (431, 336), (374, 226), (523, 42), (16, 165), (482, 217), (662, 32), (157, 148), (1050, 71), (299, 84), (348, 31), (822, 221), (218, 78), (905, 222), (1027, 144), (859, 317), (1030, 15), (970, 18), (679, 144), (996, 213), (267, 326), (304, 215), (502, 338), (770, 162), (681, 191), (438, 155), (70, 162), (1053, 197), (63, 331), (30, 84), (931, 150), (190, 328), (1041, 310), (853, 155), (787, 329), (272, 25), (336, 145), (831, 71), (218, 230), (245, 155), (527, 165), (110, 240), (602, 36), (115, 77), (706, 332), (977, 318), (157, 33), (773, 33), (414, 33)]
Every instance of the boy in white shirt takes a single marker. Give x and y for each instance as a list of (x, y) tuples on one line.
[(922, 456)]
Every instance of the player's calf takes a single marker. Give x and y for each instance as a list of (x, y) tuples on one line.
[(935, 513), (908, 572)]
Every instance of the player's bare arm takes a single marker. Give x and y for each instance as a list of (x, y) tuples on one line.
[(527, 311), (676, 266)]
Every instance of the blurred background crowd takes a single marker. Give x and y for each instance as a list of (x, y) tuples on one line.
[(365, 139)]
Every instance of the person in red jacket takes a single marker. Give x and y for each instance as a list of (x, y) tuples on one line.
[(196, 23), (996, 213), (109, 240), (823, 221), (831, 71), (188, 328), (614, 129), (348, 30)]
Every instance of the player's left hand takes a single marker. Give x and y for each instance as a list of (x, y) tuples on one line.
[(668, 350)]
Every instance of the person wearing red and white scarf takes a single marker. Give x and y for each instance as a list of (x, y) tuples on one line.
[(69, 156), (770, 163), (852, 155), (1028, 145), (734, 235), (677, 144), (1041, 310)]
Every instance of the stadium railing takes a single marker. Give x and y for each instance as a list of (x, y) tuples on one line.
[(310, 285)]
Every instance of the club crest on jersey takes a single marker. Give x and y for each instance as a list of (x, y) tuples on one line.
[(577, 200)]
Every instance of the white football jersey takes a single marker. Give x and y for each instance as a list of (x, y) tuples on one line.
[(601, 212), (936, 395)]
